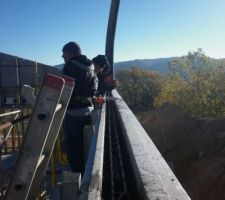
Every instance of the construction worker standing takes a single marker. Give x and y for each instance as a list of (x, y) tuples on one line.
[(80, 106)]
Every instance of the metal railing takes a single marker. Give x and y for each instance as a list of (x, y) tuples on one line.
[(10, 141), (11, 135)]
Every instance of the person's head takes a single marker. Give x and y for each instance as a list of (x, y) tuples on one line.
[(100, 62), (70, 50)]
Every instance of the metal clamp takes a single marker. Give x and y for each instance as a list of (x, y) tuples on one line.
[(28, 94)]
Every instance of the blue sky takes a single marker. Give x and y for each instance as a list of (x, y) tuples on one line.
[(37, 30)]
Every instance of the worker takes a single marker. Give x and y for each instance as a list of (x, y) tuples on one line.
[(80, 106), (105, 78)]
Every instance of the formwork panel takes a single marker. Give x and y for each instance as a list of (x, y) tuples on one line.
[(8, 76), (53, 70), (27, 75), (16, 72)]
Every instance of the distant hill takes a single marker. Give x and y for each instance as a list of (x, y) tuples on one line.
[(60, 66), (158, 64)]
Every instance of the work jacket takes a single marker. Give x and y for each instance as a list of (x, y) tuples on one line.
[(81, 69)]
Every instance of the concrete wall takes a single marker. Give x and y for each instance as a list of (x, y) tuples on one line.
[(154, 179)]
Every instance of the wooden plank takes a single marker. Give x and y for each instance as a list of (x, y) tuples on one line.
[(10, 113), (95, 187), (93, 175), (70, 186), (52, 136), (36, 134)]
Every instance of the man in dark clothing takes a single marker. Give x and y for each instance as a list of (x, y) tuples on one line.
[(80, 106), (103, 71)]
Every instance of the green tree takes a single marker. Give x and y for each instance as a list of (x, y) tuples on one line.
[(138, 87), (195, 83)]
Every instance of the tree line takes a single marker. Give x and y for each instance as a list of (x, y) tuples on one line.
[(195, 83)]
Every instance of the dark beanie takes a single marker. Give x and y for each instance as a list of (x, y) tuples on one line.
[(101, 61), (73, 48)]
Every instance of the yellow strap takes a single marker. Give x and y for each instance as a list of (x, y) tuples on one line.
[(53, 176), (61, 156)]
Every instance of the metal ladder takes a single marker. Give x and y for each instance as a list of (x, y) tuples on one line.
[(46, 119)]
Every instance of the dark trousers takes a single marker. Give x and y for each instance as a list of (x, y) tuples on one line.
[(74, 140)]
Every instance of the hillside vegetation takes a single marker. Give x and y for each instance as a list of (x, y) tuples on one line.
[(157, 64), (183, 112), (193, 147), (195, 83)]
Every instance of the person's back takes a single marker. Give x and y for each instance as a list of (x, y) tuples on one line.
[(80, 106), (80, 68)]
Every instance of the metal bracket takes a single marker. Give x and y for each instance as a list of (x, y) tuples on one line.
[(28, 94)]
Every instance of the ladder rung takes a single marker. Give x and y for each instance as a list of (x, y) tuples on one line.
[(42, 157), (58, 107)]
